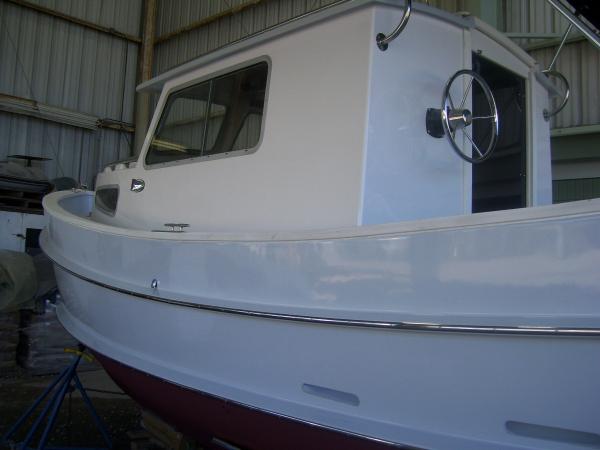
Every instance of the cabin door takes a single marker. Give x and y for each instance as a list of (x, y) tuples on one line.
[(500, 182)]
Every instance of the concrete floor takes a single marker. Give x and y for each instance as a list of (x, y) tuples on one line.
[(74, 426)]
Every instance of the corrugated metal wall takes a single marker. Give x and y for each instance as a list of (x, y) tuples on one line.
[(579, 61), (175, 14), (63, 64), (532, 16), (578, 189)]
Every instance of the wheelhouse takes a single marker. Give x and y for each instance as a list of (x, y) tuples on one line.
[(311, 125)]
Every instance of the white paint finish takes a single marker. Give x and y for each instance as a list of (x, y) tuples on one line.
[(484, 269), (344, 140), (502, 45), (425, 389), (500, 55), (306, 172), (532, 267), (540, 168), (15, 224), (409, 174)]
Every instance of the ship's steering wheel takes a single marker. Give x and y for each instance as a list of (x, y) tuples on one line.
[(457, 118)]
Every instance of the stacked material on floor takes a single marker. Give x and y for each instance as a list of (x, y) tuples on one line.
[(155, 434), (43, 341), (9, 340), (18, 281), (30, 333), (22, 186), (18, 284)]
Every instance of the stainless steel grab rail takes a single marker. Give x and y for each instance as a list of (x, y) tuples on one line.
[(383, 40), (575, 20), (563, 103)]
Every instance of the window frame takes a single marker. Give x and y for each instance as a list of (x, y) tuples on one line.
[(196, 81)]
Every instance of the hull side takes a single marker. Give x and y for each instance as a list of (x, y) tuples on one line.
[(205, 417), (422, 389), (220, 315)]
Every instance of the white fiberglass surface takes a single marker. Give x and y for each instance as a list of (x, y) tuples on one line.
[(305, 171), (408, 174), (426, 389), (537, 272), (78, 205)]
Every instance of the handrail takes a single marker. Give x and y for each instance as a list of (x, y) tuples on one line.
[(383, 40), (572, 18), (560, 76), (560, 47)]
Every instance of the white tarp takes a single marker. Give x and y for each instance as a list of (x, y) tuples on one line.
[(13, 169), (18, 281)]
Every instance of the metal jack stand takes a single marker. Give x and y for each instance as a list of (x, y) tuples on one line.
[(60, 386)]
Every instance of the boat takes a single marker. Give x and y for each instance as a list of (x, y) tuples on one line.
[(23, 178), (336, 240)]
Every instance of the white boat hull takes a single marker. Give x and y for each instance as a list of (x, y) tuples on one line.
[(475, 332)]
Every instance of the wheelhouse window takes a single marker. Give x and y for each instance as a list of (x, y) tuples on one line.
[(213, 117), (107, 198)]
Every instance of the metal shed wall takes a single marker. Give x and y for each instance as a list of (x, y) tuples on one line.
[(63, 64), (224, 24), (579, 61)]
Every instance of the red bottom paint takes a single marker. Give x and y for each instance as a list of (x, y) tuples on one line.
[(205, 417)]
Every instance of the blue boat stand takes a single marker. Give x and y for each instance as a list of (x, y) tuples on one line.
[(60, 386)]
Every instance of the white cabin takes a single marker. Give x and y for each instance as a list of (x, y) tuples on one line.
[(333, 132)]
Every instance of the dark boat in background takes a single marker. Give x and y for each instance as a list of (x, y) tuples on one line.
[(27, 178), (22, 186)]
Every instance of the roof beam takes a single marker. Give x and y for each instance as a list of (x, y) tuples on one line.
[(76, 20), (32, 108), (145, 57), (207, 20)]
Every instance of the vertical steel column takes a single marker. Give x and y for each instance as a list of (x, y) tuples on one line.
[(142, 100)]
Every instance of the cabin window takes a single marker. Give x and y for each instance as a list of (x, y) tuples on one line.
[(214, 117), (107, 198)]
